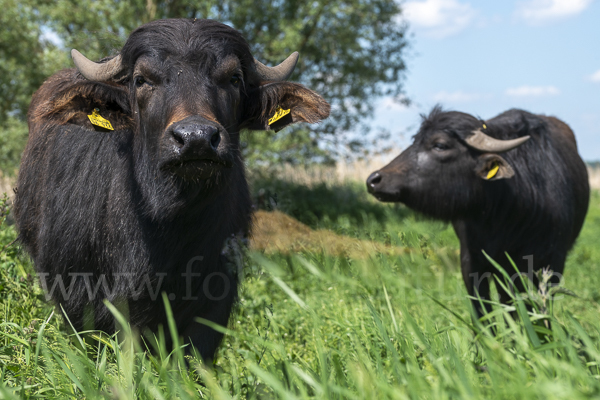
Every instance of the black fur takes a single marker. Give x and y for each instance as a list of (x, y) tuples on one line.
[(538, 212), (107, 204)]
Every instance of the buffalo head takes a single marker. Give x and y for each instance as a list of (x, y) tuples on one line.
[(187, 87), (443, 172)]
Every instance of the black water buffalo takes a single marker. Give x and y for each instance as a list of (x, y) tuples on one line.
[(147, 207), (529, 202)]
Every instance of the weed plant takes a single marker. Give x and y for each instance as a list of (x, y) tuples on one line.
[(313, 325)]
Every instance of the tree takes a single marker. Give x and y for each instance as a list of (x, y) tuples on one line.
[(26, 59), (351, 52)]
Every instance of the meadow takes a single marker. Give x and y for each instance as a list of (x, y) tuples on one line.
[(342, 298)]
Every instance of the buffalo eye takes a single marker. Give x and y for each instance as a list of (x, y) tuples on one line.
[(235, 80), (441, 146), (139, 81)]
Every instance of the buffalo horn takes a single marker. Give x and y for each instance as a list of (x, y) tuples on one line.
[(278, 73), (94, 71), (480, 141)]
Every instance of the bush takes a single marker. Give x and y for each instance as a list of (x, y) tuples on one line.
[(12, 143)]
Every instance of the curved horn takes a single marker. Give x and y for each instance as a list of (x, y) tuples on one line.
[(278, 73), (480, 141), (94, 71)]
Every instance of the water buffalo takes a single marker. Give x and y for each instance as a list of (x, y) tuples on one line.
[(529, 202), (132, 180)]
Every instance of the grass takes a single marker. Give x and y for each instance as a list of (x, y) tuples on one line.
[(316, 323)]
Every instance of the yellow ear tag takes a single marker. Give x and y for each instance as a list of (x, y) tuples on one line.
[(484, 126), (279, 113), (97, 120), (492, 172)]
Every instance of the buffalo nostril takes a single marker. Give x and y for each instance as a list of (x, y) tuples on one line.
[(215, 139), (374, 179), (178, 137)]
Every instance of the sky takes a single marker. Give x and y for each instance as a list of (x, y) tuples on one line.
[(485, 57)]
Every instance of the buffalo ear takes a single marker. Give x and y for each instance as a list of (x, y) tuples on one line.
[(492, 167), (276, 105), (67, 97)]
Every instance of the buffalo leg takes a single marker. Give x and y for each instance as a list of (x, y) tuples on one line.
[(203, 338)]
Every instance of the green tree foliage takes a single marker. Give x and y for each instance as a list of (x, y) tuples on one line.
[(351, 51), (21, 54), (26, 59)]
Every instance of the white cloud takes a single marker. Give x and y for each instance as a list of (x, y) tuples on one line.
[(439, 18), (390, 103), (532, 91), (595, 77), (539, 11), (457, 97)]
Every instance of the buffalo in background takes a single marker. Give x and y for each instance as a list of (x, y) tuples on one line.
[(529, 202), (126, 214)]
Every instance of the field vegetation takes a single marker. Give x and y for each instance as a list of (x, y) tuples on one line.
[(342, 298)]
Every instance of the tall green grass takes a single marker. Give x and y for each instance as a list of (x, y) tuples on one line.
[(313, 325)]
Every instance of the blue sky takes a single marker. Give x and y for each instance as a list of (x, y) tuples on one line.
[(484, 57)]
